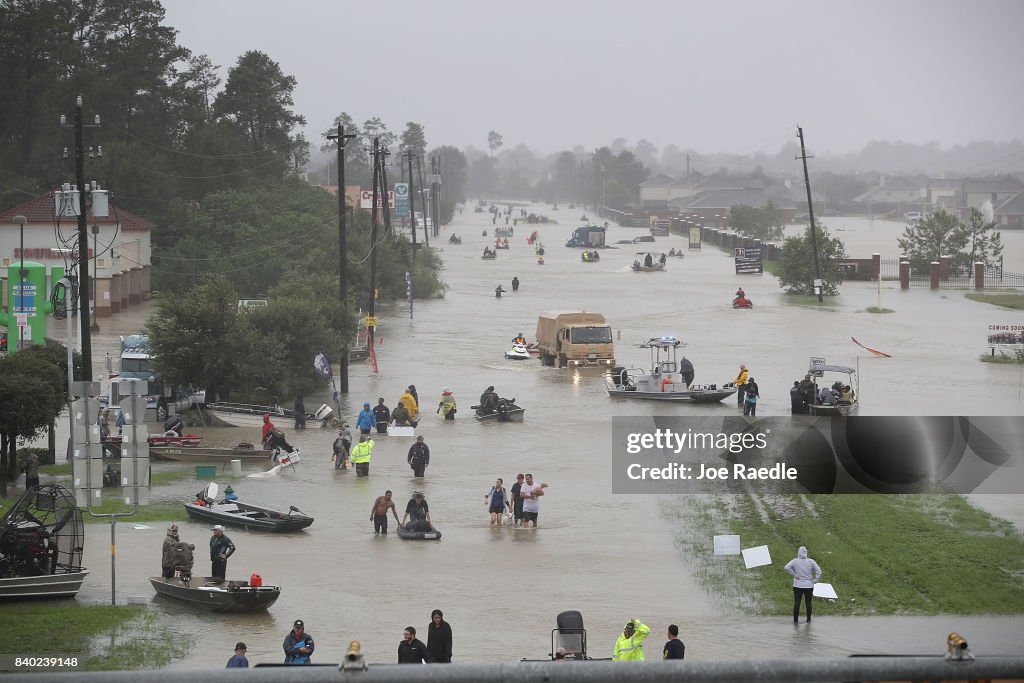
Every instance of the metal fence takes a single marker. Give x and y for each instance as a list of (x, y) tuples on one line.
[(809, 670), (957, 278)]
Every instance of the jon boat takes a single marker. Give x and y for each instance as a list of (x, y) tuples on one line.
[(513, 412), (667, 380), (502, 246), (207, 453), (432, 535), (248, 415), (42, 538), (222, 596), (817, 371), (640, 263), (237, 513), (490, 256)]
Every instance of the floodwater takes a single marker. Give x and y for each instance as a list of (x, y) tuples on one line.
[(611, 557)]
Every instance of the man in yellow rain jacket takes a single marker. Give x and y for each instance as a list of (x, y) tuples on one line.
[(409, 401), (630, 645), (741, 385), (360, 454)]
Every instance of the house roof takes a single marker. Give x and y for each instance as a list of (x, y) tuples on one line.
[(898, 182), (998, 184), (41, 210), (1014, 206), (659, 180), (720, 182), (724, 199)]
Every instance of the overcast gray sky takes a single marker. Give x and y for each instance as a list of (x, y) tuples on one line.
[(717, 76)]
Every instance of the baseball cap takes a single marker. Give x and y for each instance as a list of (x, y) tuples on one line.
[(217, 526), (173, 527), (240, 646), (298, 624)]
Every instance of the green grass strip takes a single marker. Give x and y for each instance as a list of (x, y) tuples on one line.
[(1011, 301), (104, 638), (884, 554)]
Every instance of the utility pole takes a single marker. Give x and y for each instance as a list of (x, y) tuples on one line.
[(819, 285), (412, 204), (435, 194), (385, 204), (341, 138), (426, 209), (83, 237), (370, 317)]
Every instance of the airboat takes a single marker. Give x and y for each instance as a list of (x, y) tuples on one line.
[(41, 542)]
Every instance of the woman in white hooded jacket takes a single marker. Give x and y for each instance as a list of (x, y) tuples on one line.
[(805, 573)]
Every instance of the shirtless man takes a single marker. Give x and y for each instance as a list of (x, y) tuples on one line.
[(379, 513)]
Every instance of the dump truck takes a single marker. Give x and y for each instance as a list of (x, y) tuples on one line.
[(588, 236), (574, 338)]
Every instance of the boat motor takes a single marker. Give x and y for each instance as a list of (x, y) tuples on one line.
[(354, 658)]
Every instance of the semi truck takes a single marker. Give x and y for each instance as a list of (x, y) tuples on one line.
[(574, 338), (587, 236)]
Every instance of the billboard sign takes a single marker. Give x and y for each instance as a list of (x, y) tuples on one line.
[(748, 261)]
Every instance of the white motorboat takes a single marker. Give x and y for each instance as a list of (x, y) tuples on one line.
[(518, 352), (248, 415), (667, 380), (832, 402)]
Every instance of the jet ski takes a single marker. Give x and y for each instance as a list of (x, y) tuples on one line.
[(518, 352), (742, 302)]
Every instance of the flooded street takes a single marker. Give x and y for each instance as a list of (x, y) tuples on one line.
[(611, 557)]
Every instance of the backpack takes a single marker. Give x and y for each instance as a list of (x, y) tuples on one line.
[(497, 496)]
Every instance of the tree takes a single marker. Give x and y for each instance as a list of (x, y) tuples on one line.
[(375, 128), (985, 244), (34, 393), (357, 165), (453, 172), (797, 273), (494, 141), (944, 234), (413, 139), (940, 234), (196, 338), (764, 224), (257, 99)]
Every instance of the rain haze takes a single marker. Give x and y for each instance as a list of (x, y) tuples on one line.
[(731, 77)]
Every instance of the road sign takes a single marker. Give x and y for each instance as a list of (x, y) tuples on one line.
[(748, 261), (401, 200), (24, 297), (372, 321)]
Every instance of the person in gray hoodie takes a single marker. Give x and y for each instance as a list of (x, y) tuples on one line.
[(805, 573)]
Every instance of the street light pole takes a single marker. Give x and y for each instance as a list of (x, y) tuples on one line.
[(20, 220)]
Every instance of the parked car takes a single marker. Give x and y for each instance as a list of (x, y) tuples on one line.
[(913, 216), (643, 238)]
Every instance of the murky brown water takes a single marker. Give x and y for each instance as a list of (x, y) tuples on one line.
[(611, 557)]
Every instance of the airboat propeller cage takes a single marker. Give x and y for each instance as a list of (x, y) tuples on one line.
[(42, 534)]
